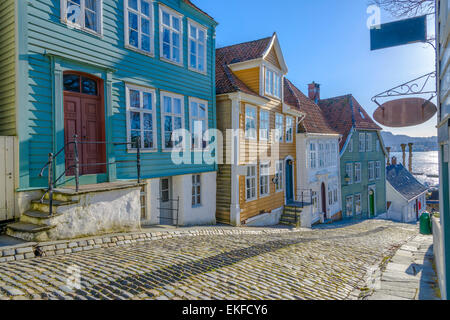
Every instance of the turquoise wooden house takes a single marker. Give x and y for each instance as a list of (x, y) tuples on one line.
[(118, 77), (362, 158)]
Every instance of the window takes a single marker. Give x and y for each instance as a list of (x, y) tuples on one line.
[(371, 171), (250, 122), (264, 179), (141, 114), (377, 145), (279, 127), (83, 14), (349, 206), (250, 183), (279, 176), (330, 196), (358, 207), (378, 170), (199, 123), (335, 194), (368, 142), (334, 155), (312, 155), (321, 156), (362, 142), (289, 129), (357, 172), (139, 25), (264, 125), (171, 37), (273, 83), (172, 118), (327, 155), (315, 201), (196, 190), (197, 47), (349, 172), (350, 145)]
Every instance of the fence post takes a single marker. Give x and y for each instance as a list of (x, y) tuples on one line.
[(178, 210), (77, 165), (50, 182), (138, 159)]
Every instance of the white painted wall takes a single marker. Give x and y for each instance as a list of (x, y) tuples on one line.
[(402, 210)]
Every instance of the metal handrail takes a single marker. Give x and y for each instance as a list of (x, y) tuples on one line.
[(304, 196), (171, 209), (77, 165)]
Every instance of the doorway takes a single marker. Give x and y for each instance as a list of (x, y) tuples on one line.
[(84, 117), (324, 200), (371, 203), (166, 203), (289, 182)]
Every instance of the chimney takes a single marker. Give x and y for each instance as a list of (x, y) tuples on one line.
[(410, 156), (394, 161), (314, 92), (388, 149), (404, 154)]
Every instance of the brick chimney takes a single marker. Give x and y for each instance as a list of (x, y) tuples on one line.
[(314, 92)]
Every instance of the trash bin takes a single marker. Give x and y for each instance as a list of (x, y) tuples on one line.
[(425, 223)]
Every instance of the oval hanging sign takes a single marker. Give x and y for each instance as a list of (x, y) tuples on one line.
[(405, 112)]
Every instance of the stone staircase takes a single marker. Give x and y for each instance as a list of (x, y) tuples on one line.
[(291, 216), (35, 224)]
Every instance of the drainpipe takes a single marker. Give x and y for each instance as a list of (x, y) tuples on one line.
[(388, 149), (404, 154), (410, 156)]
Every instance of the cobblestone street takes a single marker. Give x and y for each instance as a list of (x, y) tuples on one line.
[(331, 262)]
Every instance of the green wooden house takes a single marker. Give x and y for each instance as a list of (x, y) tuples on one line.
[(118, 77), (362, 157)]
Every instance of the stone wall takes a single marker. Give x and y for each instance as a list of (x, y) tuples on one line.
[(439, 254)]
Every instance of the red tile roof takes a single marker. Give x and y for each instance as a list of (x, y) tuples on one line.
[(343, 113), (226, 80), (314, 121), (188, 2)]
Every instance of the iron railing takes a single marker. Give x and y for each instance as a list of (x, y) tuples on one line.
[(52, 157), (304, 197)]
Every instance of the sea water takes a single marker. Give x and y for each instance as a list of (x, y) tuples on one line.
[(424, 164)]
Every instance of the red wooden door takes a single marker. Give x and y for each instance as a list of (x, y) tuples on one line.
[(84, 117)]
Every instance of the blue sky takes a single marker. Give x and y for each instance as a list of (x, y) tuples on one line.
[(326, 41)]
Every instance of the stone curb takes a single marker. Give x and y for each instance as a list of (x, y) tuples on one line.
[(46, 249)]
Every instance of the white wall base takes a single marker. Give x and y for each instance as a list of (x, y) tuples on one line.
[(265, 219)]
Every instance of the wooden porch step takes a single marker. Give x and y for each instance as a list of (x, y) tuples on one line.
[(28, 227)]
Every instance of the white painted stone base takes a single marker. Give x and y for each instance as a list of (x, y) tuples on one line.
[(306, 217), (266, 219)]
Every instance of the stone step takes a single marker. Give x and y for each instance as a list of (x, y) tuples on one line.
[(59, 196), (40, 214), (36, 205), (39, 218), (27, 227), (28, 231)]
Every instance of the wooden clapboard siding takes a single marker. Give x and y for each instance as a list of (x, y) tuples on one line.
[(273, 59), (250, 77), (7, 68), (81, 51), (7, 178)]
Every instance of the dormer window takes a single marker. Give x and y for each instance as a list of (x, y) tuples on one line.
[(273, 83)]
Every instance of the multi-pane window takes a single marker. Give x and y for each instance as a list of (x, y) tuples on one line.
[(199, 123), (368, 142), (349, 206), (279, 127), (362, 142), (172, 118), (85, 14), (196, 190), (138, 25), (264, 179), (171, 37), (327, 155), (312, 155), (358, 207), (330, 195), (273, 83), (335, 194), (250, 183), (371, 171), (289, 129), (264, 124), (141, 117), (349, 172), (315, 200), (357, 172), (250, 122), (350, 145), (377, 145), (378, 170), (197, 47), (334, 154), (279, 176), (321, 156)]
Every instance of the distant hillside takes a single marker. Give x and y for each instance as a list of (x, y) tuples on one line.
[(420, 144)]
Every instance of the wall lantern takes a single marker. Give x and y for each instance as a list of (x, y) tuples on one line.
[(347, 179)]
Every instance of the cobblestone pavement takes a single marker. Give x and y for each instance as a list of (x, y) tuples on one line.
[(330, 262)]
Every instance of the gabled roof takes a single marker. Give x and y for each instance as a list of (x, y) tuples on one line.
[(344, 113), (314, 121), (404, 182), (188, 2)]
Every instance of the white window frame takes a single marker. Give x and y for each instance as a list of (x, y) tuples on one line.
[(253, 178), (248, 133), (330, 196), (264, 125), (197, 42), (266, 179), (321, 155), (172, 114), (171, 12), (362, 142), (192, 117), (371, 171), (129, 109), (377, 170), (313, 155), (279, 173), (289, 136), (315, 201), (140, 16), (99, 22), (377, 144), (279, 119), (273, 84), (334, 154), (350, 175), (196, 182), (358, 172), (350, 145), (360, 204), (369, 142)]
